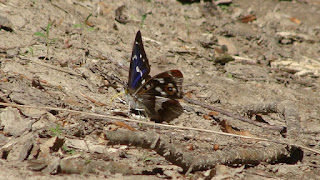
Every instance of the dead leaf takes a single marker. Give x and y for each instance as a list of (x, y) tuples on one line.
[(52, 145), (213, 113), (248, 18), (116, 113), (89, 24), (216, 147), (36, 84), (207, 117), (93, 101), (190, 147), (226, 127), (295, 20), (124, 125), (189, 94)]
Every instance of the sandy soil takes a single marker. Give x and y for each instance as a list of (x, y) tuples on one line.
[(255, 59)]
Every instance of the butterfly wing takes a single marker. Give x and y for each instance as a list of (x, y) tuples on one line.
[(167, 84), (158, 96), (139, 66)]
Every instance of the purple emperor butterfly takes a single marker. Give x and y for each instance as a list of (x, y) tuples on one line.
[(156, 96)]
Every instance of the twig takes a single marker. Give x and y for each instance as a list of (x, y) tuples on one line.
[(34, 60), (151, 40), (98, 103)]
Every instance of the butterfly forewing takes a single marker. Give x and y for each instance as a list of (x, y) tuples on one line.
[(139, 65)]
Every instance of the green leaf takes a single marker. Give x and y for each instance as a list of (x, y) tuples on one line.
[(77, 25), (87, 161), (54, 40), (56, 131), (48, 29), (144, 17), (147, 159), (88, 17), (40, 34), (90, 29)]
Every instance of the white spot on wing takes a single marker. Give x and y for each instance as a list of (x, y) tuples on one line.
[(158, 89), (138, 71), (134, 57), (163, 93), (161, 80)]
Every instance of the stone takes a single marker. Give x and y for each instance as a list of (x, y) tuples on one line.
[(232, 49), (20, 150), (13, 123)]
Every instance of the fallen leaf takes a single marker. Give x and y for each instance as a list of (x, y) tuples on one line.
[(115, 113), (52, 145), (190, 147), (216, 147), (189, 94), (213, 113), (124, 125), (89, 24), (248, 18), (295, 20), (207, 117), (36, 84), (226, 127), (93, 101)]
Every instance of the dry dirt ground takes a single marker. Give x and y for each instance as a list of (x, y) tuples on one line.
[(256, 61)]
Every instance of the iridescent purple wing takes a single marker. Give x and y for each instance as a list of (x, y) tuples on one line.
[(139, 66)]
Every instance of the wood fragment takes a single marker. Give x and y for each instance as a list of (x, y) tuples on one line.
[(175, 154)]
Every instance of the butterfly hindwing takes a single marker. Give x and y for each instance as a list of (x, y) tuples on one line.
[(167, 84), (139, 65)]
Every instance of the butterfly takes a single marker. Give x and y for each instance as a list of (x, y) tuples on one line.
[(155, 96)]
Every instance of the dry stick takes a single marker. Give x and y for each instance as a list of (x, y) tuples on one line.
[(110, 118), (233, 115), (191, 162), (34, 60)]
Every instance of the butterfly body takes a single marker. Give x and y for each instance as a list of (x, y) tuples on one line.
[(156, 96)]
